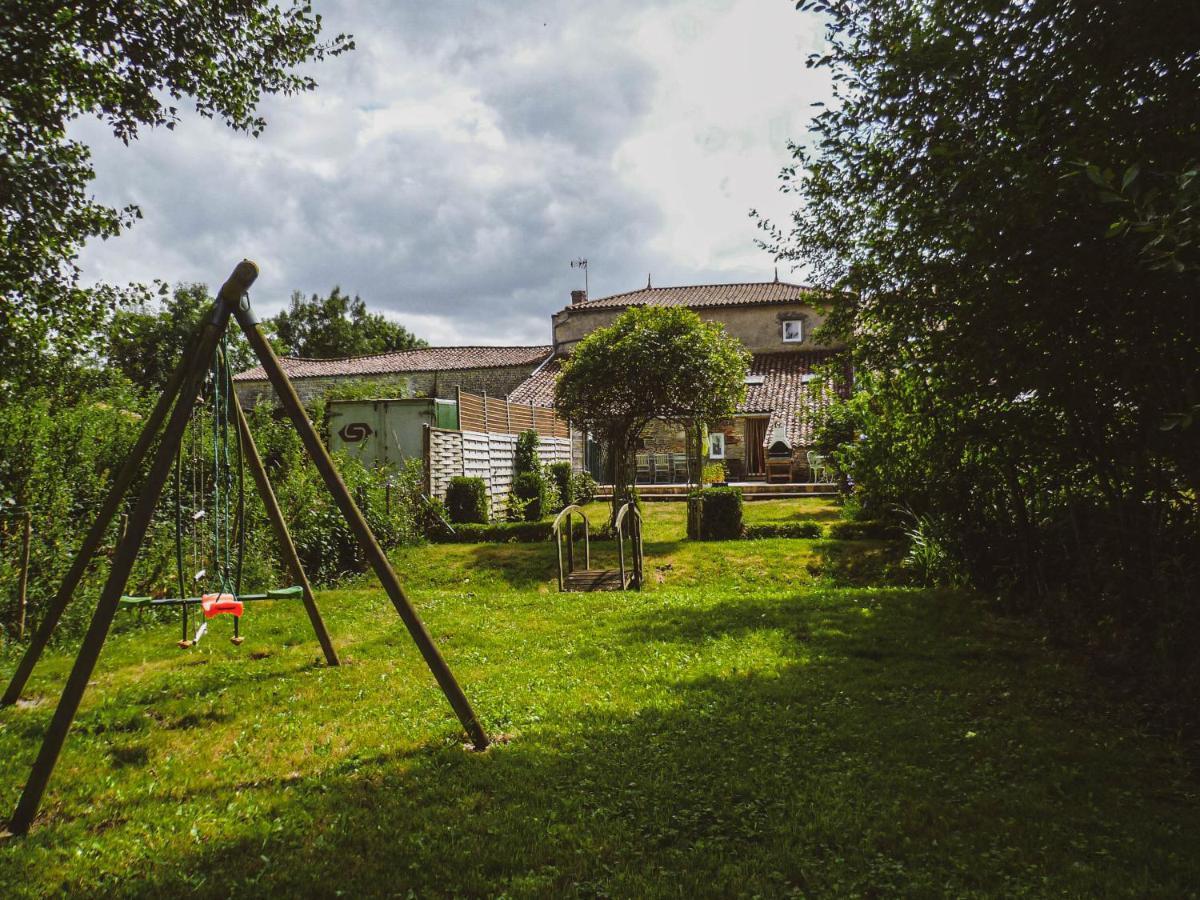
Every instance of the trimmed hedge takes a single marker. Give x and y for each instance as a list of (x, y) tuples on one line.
[(721, 513), (867, 530), (783, 530), (559, 474), (532, 497), (510, 533), (467, 500)]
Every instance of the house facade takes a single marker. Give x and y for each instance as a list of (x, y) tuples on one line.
[(776, 321)]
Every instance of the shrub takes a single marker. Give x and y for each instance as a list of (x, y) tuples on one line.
[(526, 457), (559, 474), (583, 488), (721, 513), (783, 530), (714, 473), (532, 497), (467, 500), (509, 533)]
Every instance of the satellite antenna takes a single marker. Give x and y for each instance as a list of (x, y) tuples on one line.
[(581, 264)]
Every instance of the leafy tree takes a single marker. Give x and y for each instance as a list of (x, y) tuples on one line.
[(146, 342), (336, 326), (1026, 326), (128, 64), (651, 363)]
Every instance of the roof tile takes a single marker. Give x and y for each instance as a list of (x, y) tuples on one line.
[(783, 393), (741, 294), (425, 359)]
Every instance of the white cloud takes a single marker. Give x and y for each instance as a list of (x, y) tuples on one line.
[(449, 168)]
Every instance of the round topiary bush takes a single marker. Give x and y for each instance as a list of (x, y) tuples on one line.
[(467, 500)]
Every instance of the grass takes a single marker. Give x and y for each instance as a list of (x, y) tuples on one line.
[(765, 718)]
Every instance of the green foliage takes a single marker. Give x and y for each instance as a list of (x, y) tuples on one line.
[(1019, 291), (583, 488), (651, 363), (126, 64), (806, 530), (526, 458), (714, 473), (533, 496), (721, 513), (496, 532), (145, 342), (930, 553), (560, 476), (467, 500), (337, 326), (58, 460)]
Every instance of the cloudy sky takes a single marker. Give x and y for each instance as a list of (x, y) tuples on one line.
[(450, 167)]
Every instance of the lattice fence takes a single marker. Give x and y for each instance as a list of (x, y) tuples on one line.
[(487, 444)]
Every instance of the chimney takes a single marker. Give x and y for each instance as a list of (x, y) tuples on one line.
[(578, 297)]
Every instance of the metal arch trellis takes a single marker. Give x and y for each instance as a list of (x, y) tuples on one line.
[(168, 423)]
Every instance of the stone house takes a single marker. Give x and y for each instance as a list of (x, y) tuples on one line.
[(426, 372), (775, 320)]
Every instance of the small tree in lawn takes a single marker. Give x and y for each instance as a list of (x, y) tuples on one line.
[(651, 363)]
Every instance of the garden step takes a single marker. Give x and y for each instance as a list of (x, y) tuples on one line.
[(594, 580)]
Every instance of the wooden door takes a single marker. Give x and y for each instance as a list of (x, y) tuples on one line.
[(756, 433)]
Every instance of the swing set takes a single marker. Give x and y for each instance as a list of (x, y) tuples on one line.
[(209, 521), (210, 513)]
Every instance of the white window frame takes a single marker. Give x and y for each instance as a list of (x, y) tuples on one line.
[(799, 323), (716, 445)]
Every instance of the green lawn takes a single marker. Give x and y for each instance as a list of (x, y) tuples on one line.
[(765, 718)]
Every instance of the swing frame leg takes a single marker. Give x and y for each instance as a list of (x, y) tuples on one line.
[(362, 531), (139, 521), (282, 535)]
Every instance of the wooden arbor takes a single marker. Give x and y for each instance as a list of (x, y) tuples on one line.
[(177, 400)]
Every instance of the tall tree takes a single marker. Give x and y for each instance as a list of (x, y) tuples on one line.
[(1027, 326), (147, 340), (651, 363), (337, 325), (128, 64)]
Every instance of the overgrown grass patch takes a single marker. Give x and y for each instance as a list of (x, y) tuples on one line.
[(765, 718)]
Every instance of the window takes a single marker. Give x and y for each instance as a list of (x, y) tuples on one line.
[(793, 331), (716, 445), (756, 379)]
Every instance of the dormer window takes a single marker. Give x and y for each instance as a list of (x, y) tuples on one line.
[(793, 331)]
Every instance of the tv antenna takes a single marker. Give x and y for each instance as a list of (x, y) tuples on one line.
[(581, 264)]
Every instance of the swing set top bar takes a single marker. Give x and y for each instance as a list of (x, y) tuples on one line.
[(295, 592)]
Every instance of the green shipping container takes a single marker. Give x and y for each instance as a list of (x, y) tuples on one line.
[(384, 433)]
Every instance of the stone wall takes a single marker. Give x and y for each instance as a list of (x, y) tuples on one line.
[(759, 327), (496, 382)]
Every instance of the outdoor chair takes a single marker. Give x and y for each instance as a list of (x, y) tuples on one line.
[(818, 467), (662, 466), (679, 467), (643, 475)]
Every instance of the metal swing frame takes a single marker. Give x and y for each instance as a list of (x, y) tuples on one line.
[(174, 409)]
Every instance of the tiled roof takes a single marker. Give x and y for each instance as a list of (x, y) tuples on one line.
[(783, 393), (538, 388), (744, 294), (426, 359)]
